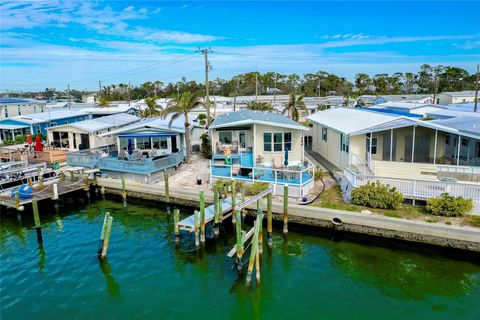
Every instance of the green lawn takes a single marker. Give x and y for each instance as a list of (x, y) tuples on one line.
[(332, 198)]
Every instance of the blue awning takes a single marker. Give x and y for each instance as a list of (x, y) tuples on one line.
[(146, 135)]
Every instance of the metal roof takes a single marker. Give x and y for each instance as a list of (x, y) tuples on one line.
[(459, 94), (453, 114), (157, 123), (19, 100), (391, 112), (50, 115), (470, 125), (110, 110), (102, 123), (247, 117), (405, 97), (349, 120)]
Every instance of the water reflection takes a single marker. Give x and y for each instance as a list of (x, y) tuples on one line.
[(405, 274), (113, 288)]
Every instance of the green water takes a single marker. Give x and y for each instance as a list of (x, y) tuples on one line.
[(314, 274)]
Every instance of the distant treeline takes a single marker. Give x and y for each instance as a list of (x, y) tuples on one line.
[(321, 83)]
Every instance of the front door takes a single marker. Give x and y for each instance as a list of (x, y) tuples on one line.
[(85, 141), (174, 144), (243, 139), (422, 148)]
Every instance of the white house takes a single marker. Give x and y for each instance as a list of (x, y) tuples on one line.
[(12, 107), (413, 98), (456, 97)]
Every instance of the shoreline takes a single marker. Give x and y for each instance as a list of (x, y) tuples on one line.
[(463, 238)]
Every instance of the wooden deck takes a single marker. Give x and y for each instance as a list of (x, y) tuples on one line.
[(42, 193)]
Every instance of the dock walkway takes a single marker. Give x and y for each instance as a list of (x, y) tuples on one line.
[(188, 223)]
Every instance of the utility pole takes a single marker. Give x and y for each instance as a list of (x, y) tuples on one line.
[(129, 94), (435, 90), (207, 89), (99, 88), (275, 89), (256, 87), (476, 93), (69, 97)]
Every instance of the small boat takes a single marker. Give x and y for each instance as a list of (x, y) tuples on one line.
[(15, 173)]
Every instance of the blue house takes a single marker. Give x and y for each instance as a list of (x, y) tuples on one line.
[(38, 122)]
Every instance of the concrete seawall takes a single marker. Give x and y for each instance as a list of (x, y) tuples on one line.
[(465, 238)]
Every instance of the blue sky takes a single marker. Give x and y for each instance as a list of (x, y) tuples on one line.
[(54, 43)]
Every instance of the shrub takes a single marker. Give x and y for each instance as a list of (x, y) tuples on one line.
[(224, 185), (206, 147), (319, 173), (449, 206), (377, 195), (255, 188)]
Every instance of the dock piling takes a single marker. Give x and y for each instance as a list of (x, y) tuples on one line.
[(234, 196), (285, 209), (216, 228), (36, 218), (55, 191), (269, 220), (102, 234), (167, 187), (260, 231), (176, 217), (195, 216), (240, 236), (40, 176), (202, 217), (108, 230), (124, 192)]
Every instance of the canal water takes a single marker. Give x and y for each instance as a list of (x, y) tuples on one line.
[(312, 274)]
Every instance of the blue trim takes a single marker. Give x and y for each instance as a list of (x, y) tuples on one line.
[(146, 135)]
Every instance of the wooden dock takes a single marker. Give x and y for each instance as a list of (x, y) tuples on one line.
[(188, 224)]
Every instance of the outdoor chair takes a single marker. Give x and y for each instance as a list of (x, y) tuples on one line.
[(235, 169), (234, 148)]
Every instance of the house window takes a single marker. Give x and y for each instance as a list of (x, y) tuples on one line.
[(277, 141), (41, 108), (143, 143), (38, 128), (287, 137), (324, 133), (19, 109), (53, 124), (5, 108), (267, 141), (225, 137), (344, 143), (374, 144)]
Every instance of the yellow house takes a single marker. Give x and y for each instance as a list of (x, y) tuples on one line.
[(261, 146)]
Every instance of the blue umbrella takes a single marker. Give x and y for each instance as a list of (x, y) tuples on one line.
[(286, 157), (130, 146)]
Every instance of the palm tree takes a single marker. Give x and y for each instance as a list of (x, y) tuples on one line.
[(293, 106), (259, 106), (152, 110), (103, 102), (183, 104)]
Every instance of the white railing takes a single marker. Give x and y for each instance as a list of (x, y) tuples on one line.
[(417, 189), (458, 169), (370, 163)]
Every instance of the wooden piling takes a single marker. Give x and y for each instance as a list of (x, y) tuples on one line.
[(167, 187), (30, 182), (285, 209), (72, 175), (107, 236), (254, 249), (269, 220), (260, 232), (234, 196), (62, 176), (257, 260), (36, 218), (55, 191), (202, 217), (239, 239), (102, 234), (124, 192), (216, 229), (17, 200), (176, 218), (87, 183), (195, 216), (40, 176)]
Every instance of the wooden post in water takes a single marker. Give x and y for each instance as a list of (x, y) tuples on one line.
[(124, 192), (285, 209), (55, 191), (36, 218), (220, 204), (176, 217), (107, 236), (62, 176), (269, 220), (30, 182), (239, 239), (17, 200), (167, 187), (254, 249), (216, 229), (102, 234), (234, 196), (243, 193), (202, 217), (72, 175), (195, 216), (260, 232), (40, 176)]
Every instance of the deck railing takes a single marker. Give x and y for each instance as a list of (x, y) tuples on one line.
[(105, 159), (417, 189)]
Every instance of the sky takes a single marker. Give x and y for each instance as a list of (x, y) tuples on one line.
[(53, 43)]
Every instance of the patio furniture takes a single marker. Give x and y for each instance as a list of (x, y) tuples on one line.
[(259, 160), (219, 147), (277, 167), (235, 169), (234, 146)]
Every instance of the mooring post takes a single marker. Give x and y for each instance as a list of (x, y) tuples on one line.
[(216, 229), (36, 218), (55, 191), (269, 219), (254, 249), (167, 187), (102, 234), (72, 175), (260, 232), (17, 200), (62, 176), (285, 209), (176, 216), (107, 236), (40, 177), (234, 196), (195, 216), (257, 261), (124, 191), (202, 217), (243, 193), (238, 227), (220, 205), (30, 182)]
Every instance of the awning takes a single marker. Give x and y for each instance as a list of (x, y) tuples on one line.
[(146, 135)]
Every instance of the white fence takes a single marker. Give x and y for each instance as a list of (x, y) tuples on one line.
[(417, 189)]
